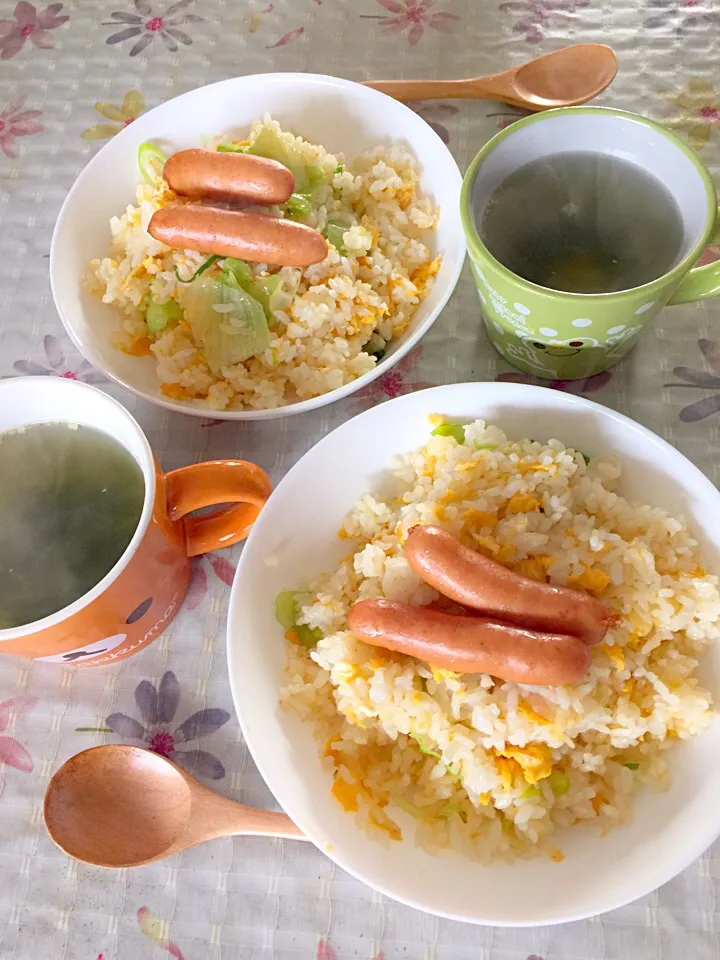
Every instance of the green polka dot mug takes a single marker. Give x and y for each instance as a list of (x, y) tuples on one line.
[(558, 335)]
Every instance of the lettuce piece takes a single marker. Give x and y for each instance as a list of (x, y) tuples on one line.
[(454, 430), (315, 179), (269, 144), (286, 614), (375, 346), (308, 636), (334, 233), (286, 611), (272, 293), (422, 744), (230, 336), (450, 808), (409, 808), (559, 782), (307, 178), (158, 316), (240, 270), (299, 205)]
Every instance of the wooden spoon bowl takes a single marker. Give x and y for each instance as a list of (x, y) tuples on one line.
[(122, 806)]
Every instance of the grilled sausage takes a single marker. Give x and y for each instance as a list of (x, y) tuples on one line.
[(470, 644), (232, 233), (475, 581), (241, 177)]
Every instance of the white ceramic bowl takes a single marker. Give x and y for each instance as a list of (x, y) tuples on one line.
[(298, 528), (343, 116)]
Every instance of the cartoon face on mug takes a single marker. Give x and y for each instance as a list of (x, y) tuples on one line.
[(87, 651), (94, 649), (537, 353), (561, 348)]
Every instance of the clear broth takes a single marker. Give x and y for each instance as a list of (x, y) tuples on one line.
[(70, 501), (583, 222)]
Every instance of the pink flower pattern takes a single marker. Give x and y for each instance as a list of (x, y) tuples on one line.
[(505, 118), (146, 26), (58, 365), (432, 113), (287, 38), (680, 16), (706, 380), (16, 122), (533, 16), (154, 929), (30, 25), (158, 706), (12, 752), (394, 383), (589, 385), (222, 569), (709, 114), (414, 16), (709, 255)]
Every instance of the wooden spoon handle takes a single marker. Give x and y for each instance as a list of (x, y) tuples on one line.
[(216, 816), (266, 823), (405, 90), (498, 86)]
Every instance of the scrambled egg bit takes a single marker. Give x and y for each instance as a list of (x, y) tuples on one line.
[(534, 760)]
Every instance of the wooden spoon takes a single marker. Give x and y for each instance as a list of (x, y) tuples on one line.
[(563, 78), (121, 806)]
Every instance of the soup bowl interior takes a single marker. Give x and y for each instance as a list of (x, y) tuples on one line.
[(644, 145), (296, 538), (340, 115)]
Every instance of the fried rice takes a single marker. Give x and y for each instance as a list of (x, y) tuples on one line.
[(489, 768), (370, 288)]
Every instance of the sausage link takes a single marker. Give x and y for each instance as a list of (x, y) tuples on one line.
[(228, 176), (232, 233), (470, 644), (475, 581), (444, 605)]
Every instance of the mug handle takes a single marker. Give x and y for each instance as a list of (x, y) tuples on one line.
[(701, 283), (244, 486)]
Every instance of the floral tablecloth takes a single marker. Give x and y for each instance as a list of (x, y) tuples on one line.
[(72, 75)]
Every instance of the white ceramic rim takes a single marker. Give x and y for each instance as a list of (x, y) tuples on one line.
[(303, 406), (275, 784), (147, 465)]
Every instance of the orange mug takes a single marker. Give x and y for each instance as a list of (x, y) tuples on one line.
[(138, 598)]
